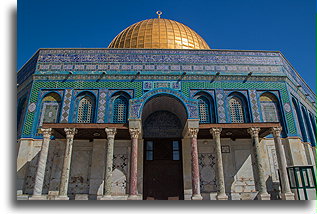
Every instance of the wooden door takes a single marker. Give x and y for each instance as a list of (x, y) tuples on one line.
[(163, 174)]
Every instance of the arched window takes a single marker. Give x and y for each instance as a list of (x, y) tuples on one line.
[(85, 112), (269, 107), (204, 109), (313, 122), (308, 126), (20, 111), (120, 109), (236, 110), (300, 120), (51, 104)]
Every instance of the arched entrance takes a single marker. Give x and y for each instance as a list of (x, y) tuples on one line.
[(163, 119)]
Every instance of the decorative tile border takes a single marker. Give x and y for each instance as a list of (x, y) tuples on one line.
[(254, 106), (102, 105), (66, 106), (150, 85)]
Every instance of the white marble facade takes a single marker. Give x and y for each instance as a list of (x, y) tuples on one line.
[(88, 164)]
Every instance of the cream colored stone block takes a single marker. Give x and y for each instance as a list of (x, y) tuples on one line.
[(97, 169)]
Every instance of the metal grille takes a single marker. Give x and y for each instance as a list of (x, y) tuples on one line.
[(236, 110), (85, 110), (204, 113), (120, 110)]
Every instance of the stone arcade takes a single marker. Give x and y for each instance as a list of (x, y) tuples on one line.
[(158, 115)]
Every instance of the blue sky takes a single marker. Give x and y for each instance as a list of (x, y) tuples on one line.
[(284, 25)]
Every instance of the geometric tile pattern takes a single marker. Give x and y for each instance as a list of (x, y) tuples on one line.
[(220, 106), (207, 170), (30, 119), (102, 106), (254, 106), (66, 106), (120, 162)]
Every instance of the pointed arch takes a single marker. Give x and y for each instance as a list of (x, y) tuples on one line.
[(299, 119), (269, 105), (22, 102), (238, 108), (120, 107), (206, 108), (50, 108), (85, 106), (313, 123), (308, 126)]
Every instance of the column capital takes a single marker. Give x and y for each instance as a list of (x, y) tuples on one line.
[(134, 132), (276, 131), (254, 131), (70, 132), (111, 132), (215, 131), (193, 132), (46, 132)]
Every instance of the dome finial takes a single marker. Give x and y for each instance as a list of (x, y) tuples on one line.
[(159, 13)]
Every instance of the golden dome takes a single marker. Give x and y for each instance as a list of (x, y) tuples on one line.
[(158, 34)]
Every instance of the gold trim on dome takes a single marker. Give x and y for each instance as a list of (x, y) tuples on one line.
[(158, 33)]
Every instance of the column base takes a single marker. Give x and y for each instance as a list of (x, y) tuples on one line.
[(197, 197), (222, 197), (134, 197), (288, 196), (38, 197), (105, 198), (264, 196), (62, 198)]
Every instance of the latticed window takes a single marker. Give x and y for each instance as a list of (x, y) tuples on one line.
[(236, 110), (50, 108), (269, 108), (85, 110), (204, 110), (120, 110)]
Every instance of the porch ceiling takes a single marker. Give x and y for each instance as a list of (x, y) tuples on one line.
[(235, 130), (89, 131)]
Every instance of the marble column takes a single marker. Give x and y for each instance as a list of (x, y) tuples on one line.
[(286, 192), (70, 133), (40, 172), (195, 166), (111, 132), (263, 194), (134, 132), (221, 194)]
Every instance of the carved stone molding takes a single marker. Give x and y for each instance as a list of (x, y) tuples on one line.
[(111, 132), (276, 131), (254, 131), (193, 132), (70, 132), (215, 132), (46, 132), (134, 132)]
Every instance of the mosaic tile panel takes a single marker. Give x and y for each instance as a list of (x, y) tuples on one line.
[(138, 90), (135, 104), (102, 106), (186, 86), (120, 166), (29, 125), (220, 100), (254, 106), (66, 106), (149, 85), (207, 170), (110, 56), (120, 162)]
